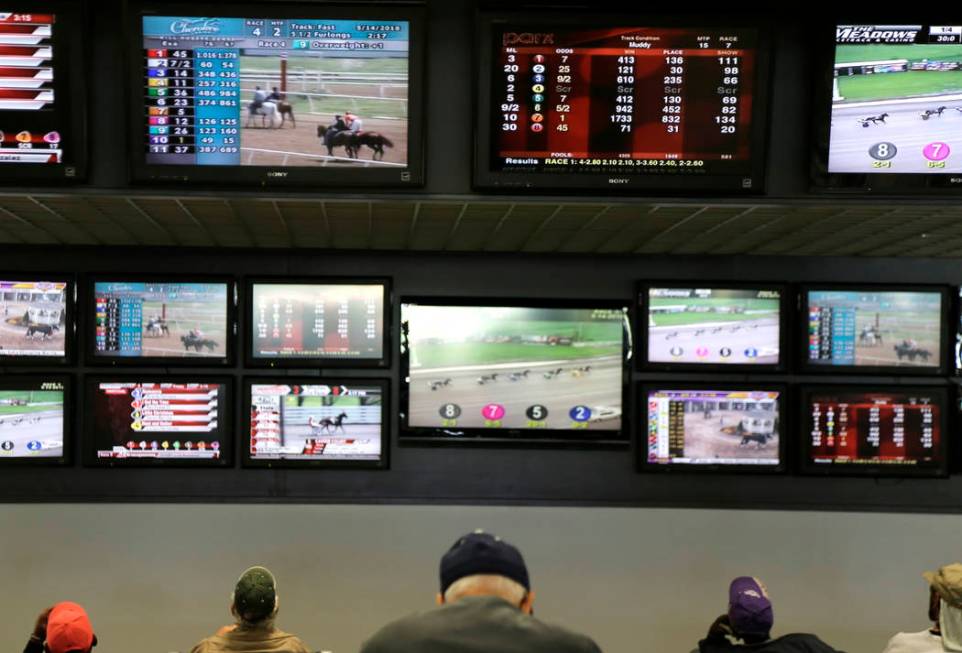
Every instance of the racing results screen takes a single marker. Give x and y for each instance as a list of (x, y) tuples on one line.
[(624, 100)]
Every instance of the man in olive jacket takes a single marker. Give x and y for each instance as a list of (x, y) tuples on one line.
[(485, 606)]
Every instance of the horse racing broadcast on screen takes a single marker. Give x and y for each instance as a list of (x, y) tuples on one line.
[(34, 319), (32, 418)]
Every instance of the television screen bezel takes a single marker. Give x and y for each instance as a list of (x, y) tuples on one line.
[(76, 114), (474, 436), (70, 322), (808, 468), (412, 176), (317, 361), (887, 183), (91, 382), (865, 370), (641, 327), (68, 422), (784, 465), (247, 460), (159, 361), (487, 178)]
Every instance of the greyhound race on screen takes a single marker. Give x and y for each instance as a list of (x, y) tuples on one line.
[(31, 419), (275, 92), (897, 99), (34, 318), (874, 329), (713, 325), (713, 427), (514, 368), (315, 422), (167, 320)]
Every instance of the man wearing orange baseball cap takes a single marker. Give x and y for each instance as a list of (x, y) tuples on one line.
[(62, 628)]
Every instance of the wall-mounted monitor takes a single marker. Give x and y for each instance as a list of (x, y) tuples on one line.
[(311, 322), (890, 108), (277, 94), (881, 329), (718, 427), (167, 321), (892, 430), (620, 103), (37, 319), (314, 422), (711, 325), (42, 101), (482, 370), (34, 420), (159, 420)]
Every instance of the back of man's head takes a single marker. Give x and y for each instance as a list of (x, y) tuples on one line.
[(482, 564), (69, 629), (749, 609), (255, 600)]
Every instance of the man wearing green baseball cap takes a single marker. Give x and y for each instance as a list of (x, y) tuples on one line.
[(254, 605), (945, 611)]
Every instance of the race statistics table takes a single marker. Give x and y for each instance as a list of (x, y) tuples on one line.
[(628, 100), (193, 85)]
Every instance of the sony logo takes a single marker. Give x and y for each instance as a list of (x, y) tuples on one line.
[(527, 38), (276, 173), (618, 180)]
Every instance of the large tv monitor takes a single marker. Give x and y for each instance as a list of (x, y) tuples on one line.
[(889, 108), (306, 322), (892, 430), (896, 329), (316, 422), (621, 103), (35, 420), (166, 320), (158, 420), (42, 99), (37, 314), (711, 325), (484, 370), (277, 94), (717, 427)]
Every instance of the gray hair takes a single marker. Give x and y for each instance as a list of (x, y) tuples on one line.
[(510, 590)]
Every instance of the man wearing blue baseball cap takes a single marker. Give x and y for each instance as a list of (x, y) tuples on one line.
[(748, 624), (485, 606)]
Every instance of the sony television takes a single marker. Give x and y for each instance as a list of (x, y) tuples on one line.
[(35, 423), (502, 371), (42, 92), (37, 325), (272, 94), (621, 103), (157, 420), (705, 326), (875, 328), (713, 427), (875, 431), (311, 322), (137, 321), (889, 107), (316, 422)]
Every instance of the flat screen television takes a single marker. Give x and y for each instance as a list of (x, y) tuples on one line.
[(37, 314), (42, 99), (875, 328), (158, 420), (136, 321), (306, 322), (875, 431), (500, 371), (35, 426), (715, 427), (711, 326), (277, 94), (890, 107), (621, 103), (315, 422)]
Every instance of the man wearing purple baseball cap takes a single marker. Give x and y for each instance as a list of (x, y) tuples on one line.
[(748, 624)]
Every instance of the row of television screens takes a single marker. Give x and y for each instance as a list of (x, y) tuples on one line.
[(290, 322), (334, 96), (130, 421)]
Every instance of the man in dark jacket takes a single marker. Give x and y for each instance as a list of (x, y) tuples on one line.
[(486, 606), (746, 627), (62, 628)]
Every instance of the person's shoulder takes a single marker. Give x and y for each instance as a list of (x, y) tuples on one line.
[(399, 633), (203, 646), (904, 642), (806, 642), (291, 643), (565, 641)]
